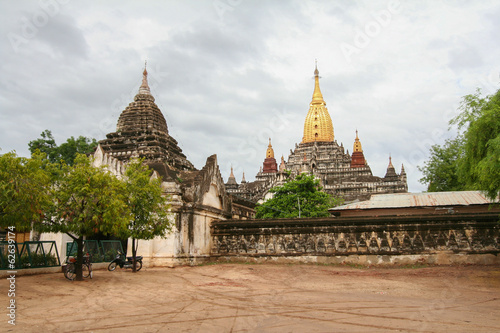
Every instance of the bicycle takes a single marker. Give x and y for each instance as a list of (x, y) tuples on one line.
[(70, 271)]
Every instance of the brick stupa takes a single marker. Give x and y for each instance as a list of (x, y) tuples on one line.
[(142, 132)]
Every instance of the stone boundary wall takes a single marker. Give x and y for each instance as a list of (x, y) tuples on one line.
[(432, 239)]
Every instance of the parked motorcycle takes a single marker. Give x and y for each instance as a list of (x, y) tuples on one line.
[(120, 261)]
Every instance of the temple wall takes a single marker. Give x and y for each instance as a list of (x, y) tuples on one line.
[(446, 239)]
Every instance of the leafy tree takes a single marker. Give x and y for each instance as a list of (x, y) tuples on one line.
[(480, 164), (66, 152), (24, 189), (46, 144), (472, 160), (441, 170), (300, 197), (86, 200), (149, 209)]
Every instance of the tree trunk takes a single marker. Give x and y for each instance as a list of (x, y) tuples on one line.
[(79, 259), (134, 252)]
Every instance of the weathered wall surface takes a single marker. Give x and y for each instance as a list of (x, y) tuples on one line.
[(454, 238)]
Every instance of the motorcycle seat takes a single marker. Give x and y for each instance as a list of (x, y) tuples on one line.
[(137, 258)]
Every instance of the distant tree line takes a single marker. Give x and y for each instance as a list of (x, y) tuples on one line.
[(64, 153)]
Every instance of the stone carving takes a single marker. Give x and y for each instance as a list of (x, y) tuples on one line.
[(333, 238)]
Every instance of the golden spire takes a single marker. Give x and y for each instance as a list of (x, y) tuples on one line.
[(317, 96), (270, 151), (357, 144), (144, 89), (232, 174), (318, 125)]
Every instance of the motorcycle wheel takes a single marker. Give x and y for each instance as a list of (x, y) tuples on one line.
[(112, 266), (138, 266), (69, 272)]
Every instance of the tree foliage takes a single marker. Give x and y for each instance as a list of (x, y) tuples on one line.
[(149, 209), (472, 160), (86, 200), (300, 197), (480, 163), (81, 200), (441, 170), (24, 189), (66, 152)]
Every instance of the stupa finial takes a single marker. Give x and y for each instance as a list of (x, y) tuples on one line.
[(144, 88)]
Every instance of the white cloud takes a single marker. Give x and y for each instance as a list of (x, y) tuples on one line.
[(229, 74)]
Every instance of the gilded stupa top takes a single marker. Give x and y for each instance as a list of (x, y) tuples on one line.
[(318, 126), (270, 151), (317, 96), (357, 144)]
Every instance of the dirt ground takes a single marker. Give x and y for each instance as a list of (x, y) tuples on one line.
[(260, 298)]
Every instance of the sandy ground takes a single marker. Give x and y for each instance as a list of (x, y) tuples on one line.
[(260, 298)]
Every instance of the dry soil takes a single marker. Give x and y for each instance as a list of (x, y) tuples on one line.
[(260, 298)]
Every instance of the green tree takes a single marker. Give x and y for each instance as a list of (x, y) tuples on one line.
[(46, 144), (471, 161), (149, 209), (441, 170), (86, 200), (480, 122), (24, 189), (66, 152), (300, 197)]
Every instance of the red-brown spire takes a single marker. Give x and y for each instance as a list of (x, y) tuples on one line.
[(270, 165), (358, 158)]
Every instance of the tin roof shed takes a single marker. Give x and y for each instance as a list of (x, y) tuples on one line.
[(398, 203)]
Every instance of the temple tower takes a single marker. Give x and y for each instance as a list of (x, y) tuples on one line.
[(339, 172), (282, 164), (270, 165), (142, 132), (391, 174), (357, 158), (318, 125), (231, 181)]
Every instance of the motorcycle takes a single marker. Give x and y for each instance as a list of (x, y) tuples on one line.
[(120, 261)]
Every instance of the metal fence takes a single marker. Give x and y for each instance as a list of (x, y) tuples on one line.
[(101, 251), (33, 254)]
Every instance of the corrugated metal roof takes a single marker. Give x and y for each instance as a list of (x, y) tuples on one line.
[(428, 199)]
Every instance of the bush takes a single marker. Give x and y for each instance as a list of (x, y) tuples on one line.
[(37, 260)]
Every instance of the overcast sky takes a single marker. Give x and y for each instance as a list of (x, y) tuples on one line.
[(229, 74)]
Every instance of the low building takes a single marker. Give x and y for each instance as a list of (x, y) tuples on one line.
[(427, 203)]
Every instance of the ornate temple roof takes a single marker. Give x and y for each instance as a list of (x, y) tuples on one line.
[(142, 132), (318, 125), (232, 179), (391, 172), (142, 115)]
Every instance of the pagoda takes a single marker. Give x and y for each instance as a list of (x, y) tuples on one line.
[(142, 132), (340, 173)]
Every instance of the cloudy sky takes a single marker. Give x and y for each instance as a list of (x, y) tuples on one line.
[(229, 74)]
